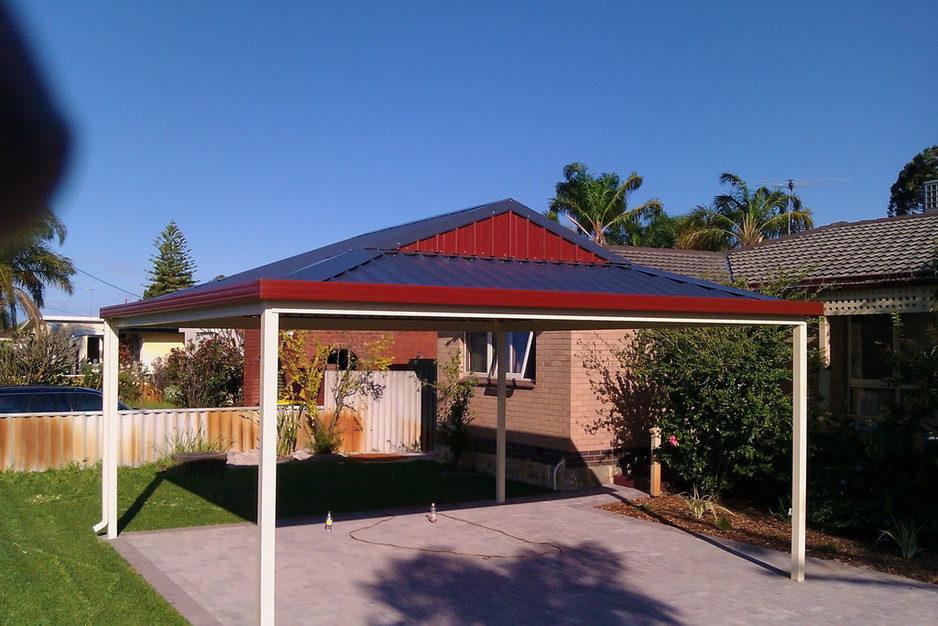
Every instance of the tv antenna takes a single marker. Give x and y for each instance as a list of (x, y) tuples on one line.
[(792, 183)]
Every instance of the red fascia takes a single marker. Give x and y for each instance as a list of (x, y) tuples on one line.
[(403, 295), (376, 293)]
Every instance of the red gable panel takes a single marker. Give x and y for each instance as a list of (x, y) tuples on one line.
[(506, 235)]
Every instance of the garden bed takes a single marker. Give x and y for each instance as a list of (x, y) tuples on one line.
[(751, 525)]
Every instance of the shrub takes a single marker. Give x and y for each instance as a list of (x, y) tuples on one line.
[(719, 399), (453, 414), (354, 376), (325, 440), (206, 373)]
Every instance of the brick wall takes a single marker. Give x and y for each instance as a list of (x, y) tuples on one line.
[(560, 415), (532, 413), (590, 413), (405, 346)]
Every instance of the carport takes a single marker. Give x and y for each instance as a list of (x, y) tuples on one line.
[(498, 268)]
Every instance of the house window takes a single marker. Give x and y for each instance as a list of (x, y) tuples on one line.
[(482, 360), (872, 340)]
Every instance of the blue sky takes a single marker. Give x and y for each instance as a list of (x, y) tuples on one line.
[(265, 129)]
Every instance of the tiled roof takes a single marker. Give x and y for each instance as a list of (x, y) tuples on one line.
[(889, 249), (871, 251), (701, 264)]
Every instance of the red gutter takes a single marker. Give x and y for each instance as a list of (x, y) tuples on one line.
[(402, 295)]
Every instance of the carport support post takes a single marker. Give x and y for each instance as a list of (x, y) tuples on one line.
[(799, 448), (267, 469), (501, 348), (109, 433)]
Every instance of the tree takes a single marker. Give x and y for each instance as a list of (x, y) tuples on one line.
[(304, 360), (660, 230), (28, 265), (172, 265), (742, 217), (598, 205), (40, 357), (905, 195)]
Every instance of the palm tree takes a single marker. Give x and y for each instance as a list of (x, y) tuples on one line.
[(28, 264), (598, 205), (742, 217)]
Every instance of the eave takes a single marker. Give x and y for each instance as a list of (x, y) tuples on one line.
[(439, 306)]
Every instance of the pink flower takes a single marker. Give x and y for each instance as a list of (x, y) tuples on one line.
[(672, 440)]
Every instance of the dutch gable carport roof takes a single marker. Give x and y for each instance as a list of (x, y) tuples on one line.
[(496, 267)]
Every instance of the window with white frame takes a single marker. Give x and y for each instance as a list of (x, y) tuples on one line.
[(482, 359)]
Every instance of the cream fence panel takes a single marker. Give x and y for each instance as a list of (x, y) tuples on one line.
[(390, 423)]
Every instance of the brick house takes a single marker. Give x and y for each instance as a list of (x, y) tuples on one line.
[(865, 271), (554, 433)]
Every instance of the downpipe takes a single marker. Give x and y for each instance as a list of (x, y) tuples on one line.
[(553, 474)]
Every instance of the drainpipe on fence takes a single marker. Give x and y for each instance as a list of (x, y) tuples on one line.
[(655, 478), (553, 474)]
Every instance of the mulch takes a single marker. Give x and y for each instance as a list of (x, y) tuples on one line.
[(748, 524)]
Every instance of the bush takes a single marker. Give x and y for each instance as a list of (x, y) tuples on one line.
[(860, 475), (131, 378), (719, 399), (206, 373), (453, 414)]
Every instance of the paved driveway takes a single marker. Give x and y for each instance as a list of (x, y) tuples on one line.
[(540, 562)]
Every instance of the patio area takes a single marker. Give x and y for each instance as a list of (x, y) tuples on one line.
[(557, 560)]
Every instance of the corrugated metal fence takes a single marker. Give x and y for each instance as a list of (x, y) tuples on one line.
[(391, 423), (37, 442)]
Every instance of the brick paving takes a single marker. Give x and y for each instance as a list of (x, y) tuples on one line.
[(534, 562)]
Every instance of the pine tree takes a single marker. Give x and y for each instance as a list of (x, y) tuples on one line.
[(172, 265)]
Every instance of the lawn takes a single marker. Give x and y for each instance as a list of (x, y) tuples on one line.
[(55, 570)]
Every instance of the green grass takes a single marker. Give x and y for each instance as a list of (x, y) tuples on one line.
[(54, 570)]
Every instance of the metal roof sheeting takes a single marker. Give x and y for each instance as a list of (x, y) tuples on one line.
[(394, 274), (395, 267)]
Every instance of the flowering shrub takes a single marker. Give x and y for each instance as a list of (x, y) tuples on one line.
[(718, 395), (130, 379), (722, 392), (206, 373)]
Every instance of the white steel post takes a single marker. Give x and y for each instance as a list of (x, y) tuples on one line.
[(110, 439), (799, 449), (267, 469), (501, 350)]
